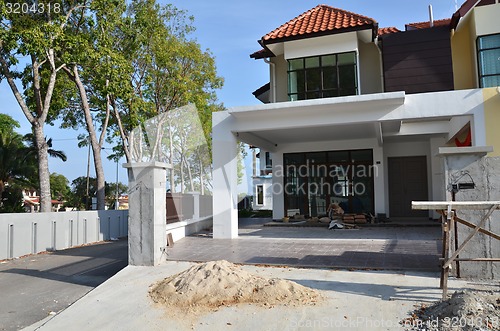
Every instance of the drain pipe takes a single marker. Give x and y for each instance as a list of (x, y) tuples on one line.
[(273, 80), (381, 62)]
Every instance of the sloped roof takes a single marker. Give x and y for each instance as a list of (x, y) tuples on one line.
[(260, 54), (388, 30), (320, 20), (427, 24)]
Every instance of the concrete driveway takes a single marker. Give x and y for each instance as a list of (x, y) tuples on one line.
[(36, 286)]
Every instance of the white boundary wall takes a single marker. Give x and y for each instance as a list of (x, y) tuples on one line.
[(201, 214), (31, 233)]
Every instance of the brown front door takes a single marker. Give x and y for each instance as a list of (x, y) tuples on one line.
[(407, 183)]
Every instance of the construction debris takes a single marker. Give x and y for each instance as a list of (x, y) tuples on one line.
[(465, 311)]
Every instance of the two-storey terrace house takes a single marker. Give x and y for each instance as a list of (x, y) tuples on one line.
[(355, 114)]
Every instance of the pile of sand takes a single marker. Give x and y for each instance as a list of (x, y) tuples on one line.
[(465, 310), (221, 283)]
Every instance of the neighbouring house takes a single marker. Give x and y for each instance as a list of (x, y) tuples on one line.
[(31, 202), (262, 180), (355, 113)]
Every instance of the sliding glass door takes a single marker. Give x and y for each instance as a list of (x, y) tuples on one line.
[(314, 180)]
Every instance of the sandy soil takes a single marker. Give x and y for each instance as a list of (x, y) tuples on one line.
[(206, 287)]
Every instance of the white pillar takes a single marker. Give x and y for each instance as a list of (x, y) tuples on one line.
[(278, 186), (147, 239), (196, 205), (225, 177)]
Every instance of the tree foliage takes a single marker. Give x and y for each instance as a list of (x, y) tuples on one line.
[(17, 168), (59, 186), (30, 44), (108, 66), (77, 197)]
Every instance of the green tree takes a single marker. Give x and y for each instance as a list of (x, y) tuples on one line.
[(78, 195), (12, 200), (59, 186), (166, 70), (30, 45), (90, 72), (16, 164)]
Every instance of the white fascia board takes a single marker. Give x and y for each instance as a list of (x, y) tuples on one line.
[(351, 102), (423, 127), (380, 107)]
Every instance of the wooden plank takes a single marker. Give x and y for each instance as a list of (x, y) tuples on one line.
[(469, 237), (170, 240), (477, 259), (445, 272), (457, 205), (470, 225)]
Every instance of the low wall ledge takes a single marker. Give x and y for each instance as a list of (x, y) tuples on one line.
[(473, 150), (154, 164)]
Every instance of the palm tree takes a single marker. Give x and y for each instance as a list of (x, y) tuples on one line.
[(30, 140), (16, 165)]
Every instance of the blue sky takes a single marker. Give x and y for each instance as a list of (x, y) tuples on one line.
[(230, 30)]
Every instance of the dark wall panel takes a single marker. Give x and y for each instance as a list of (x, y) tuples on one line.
[(418, 61)]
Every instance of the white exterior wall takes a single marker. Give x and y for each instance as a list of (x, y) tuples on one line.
[(437, 176), (486, 19), (281, 76), (338, 43), (225, 174), (31, 233)]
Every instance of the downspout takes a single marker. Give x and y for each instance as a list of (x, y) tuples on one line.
[(273, 79), (381, 60)]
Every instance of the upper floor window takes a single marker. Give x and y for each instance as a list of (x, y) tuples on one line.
[(269, 161), (488, 48), (322, 76)]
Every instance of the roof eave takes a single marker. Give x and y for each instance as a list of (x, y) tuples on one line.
[(373, 26)]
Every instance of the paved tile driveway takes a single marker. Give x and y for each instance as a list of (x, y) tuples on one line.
[(403, 248)]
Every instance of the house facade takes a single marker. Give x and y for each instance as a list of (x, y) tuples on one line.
[(355, 114)]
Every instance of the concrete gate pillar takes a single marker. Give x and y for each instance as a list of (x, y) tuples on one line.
[(147, 239), (466, 165)]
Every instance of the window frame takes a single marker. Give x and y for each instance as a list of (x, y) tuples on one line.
[(324, 92), (257, 195), (481, 76)]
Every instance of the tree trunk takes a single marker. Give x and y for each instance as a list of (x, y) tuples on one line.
[(171, 157), (96, 146), (43, 169)]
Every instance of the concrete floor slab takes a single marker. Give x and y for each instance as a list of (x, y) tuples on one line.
[(404, 248), (355, 300)]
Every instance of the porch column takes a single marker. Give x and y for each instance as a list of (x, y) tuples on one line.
[(147, 238), (278, 188), (225, 177)]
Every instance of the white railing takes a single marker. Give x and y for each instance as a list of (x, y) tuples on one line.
[(31, 233)]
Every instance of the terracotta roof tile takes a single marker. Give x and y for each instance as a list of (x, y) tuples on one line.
[(320, 19), (260, 54), (426, 25), (388, 30)]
